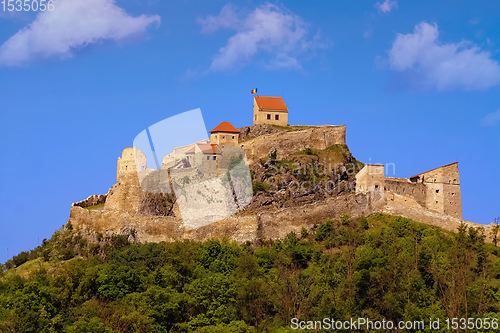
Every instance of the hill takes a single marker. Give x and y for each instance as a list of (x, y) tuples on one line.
[(376, 267)]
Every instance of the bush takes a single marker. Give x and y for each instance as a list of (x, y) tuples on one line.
[(364, 222), (259, 186), (20, 259), (304, 232), (324, 231)]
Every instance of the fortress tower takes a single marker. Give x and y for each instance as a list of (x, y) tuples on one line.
[(131, 161), (269, 110), (437, 190), (370, 178), (224, 135), (442, 189)]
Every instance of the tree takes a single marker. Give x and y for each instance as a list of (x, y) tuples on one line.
[(494, 231)]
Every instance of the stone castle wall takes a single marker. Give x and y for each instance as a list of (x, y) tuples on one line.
[(251, 227), (437, 190), (286, 143), (93, 200), (403, 188)]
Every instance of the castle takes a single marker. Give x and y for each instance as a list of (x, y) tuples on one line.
[(437, 190), (431, 197)]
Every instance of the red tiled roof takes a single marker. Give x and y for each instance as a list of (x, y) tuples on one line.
[(271, 103), (192, 150), (207, 148), (225, 126)]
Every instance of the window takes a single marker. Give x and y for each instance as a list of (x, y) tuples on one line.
[(233, 136), (215, 157), (223, 137), (216, 136), (268, 116), (376, 186), (208, 158), (255, 117), (277, 117), (437, 191), (142, 168)]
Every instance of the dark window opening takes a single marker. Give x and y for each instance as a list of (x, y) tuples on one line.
[(268, 116), (437, 191), (233, 136), (376, 186), (277, 117), (215, 158), (436, 202), (223, 137), (208, 158)]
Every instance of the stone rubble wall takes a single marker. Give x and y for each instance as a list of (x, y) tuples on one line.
[(268, 224), (93, 200)]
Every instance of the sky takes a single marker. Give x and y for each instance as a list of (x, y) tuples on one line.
[(416, 82)]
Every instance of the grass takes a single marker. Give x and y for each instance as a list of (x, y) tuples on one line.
[(29, 267), (291, 127), (95, 207)]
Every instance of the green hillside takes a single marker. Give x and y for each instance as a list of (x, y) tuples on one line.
[(379, 267)]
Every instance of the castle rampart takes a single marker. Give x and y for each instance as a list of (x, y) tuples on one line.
[(437, 190), (286, 143)]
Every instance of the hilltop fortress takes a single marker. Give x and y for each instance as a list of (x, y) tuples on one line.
[(154, 215)]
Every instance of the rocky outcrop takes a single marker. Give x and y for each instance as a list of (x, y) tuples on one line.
[(250, 132)]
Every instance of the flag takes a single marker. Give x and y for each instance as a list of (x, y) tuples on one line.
[(254, 91)]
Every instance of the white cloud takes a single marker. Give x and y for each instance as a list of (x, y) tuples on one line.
[(428, 63), (72, 24), (491, 119), (269, 29), (387, 5)]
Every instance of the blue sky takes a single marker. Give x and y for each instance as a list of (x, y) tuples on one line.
[(416, 83)]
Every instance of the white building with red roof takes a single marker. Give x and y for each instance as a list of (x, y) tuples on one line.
[(270, 110)]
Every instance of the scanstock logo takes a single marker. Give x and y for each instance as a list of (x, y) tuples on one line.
[(175, 157)]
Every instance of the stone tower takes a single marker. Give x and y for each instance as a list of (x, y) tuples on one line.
[(224, 135), (443, 189)]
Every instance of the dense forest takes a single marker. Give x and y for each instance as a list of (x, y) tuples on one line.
[(378, 267)]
